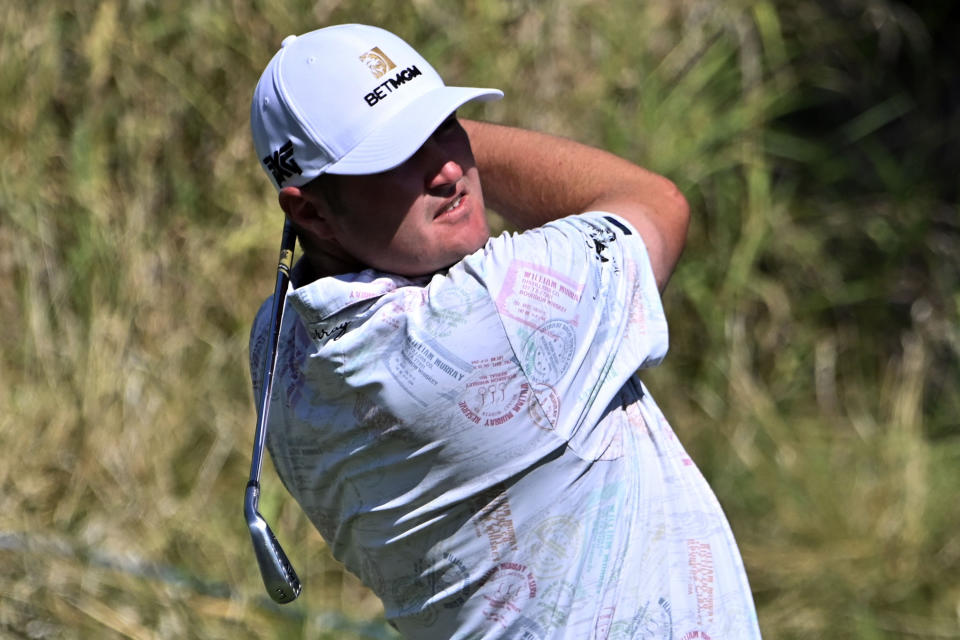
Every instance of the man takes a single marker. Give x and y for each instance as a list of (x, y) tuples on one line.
[(459, 415)]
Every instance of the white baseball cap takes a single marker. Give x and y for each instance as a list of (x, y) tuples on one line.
[(349, 99)]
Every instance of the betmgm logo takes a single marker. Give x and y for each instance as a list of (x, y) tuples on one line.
[(379, 64)]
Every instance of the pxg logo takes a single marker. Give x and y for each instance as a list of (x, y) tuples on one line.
[(281, 163)]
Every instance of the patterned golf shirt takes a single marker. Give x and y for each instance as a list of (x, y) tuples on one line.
[(477, 447)]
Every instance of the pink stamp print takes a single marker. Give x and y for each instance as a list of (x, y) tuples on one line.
[(532, 294), (496, 392), (495, 521), (701, 578), (507, 588), (544, 411)]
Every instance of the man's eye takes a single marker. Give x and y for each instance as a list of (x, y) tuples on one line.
[(447, 125)]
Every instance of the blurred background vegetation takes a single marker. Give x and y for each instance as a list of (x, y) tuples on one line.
[(815, 359)]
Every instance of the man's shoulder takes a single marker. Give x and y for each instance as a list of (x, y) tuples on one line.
[(559, 242), (332, 295)]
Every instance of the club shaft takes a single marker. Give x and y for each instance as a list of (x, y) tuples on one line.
[(285, 262)]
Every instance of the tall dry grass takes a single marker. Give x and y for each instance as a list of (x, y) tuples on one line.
[(814, 366)]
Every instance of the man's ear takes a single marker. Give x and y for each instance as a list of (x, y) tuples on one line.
[(309, 213)]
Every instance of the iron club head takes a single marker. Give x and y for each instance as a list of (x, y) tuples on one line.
[(279, 576)]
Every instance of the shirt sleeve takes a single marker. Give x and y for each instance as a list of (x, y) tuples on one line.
[(580, 307)]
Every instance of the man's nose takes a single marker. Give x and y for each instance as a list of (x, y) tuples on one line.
[(448, 173), (442, 167)]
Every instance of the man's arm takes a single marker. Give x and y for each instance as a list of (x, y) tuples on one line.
[(532, 178)]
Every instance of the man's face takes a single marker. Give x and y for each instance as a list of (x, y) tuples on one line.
[(419, 217)]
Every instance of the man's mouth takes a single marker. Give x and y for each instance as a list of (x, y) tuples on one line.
[(451, 207)]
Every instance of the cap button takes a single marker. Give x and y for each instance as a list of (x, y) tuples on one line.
[(287, 40)]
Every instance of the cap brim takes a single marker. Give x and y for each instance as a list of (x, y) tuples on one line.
[(399, 137)]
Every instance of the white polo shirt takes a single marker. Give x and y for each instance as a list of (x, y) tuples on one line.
[(477, 447)]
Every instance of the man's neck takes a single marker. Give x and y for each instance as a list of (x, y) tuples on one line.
[(314, 265)]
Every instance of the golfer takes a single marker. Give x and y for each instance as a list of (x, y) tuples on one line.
[(460, 416)]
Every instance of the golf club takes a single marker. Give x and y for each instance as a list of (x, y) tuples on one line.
[(278, 574)]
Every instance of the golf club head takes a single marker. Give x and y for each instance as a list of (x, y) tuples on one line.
[(278, 574)]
